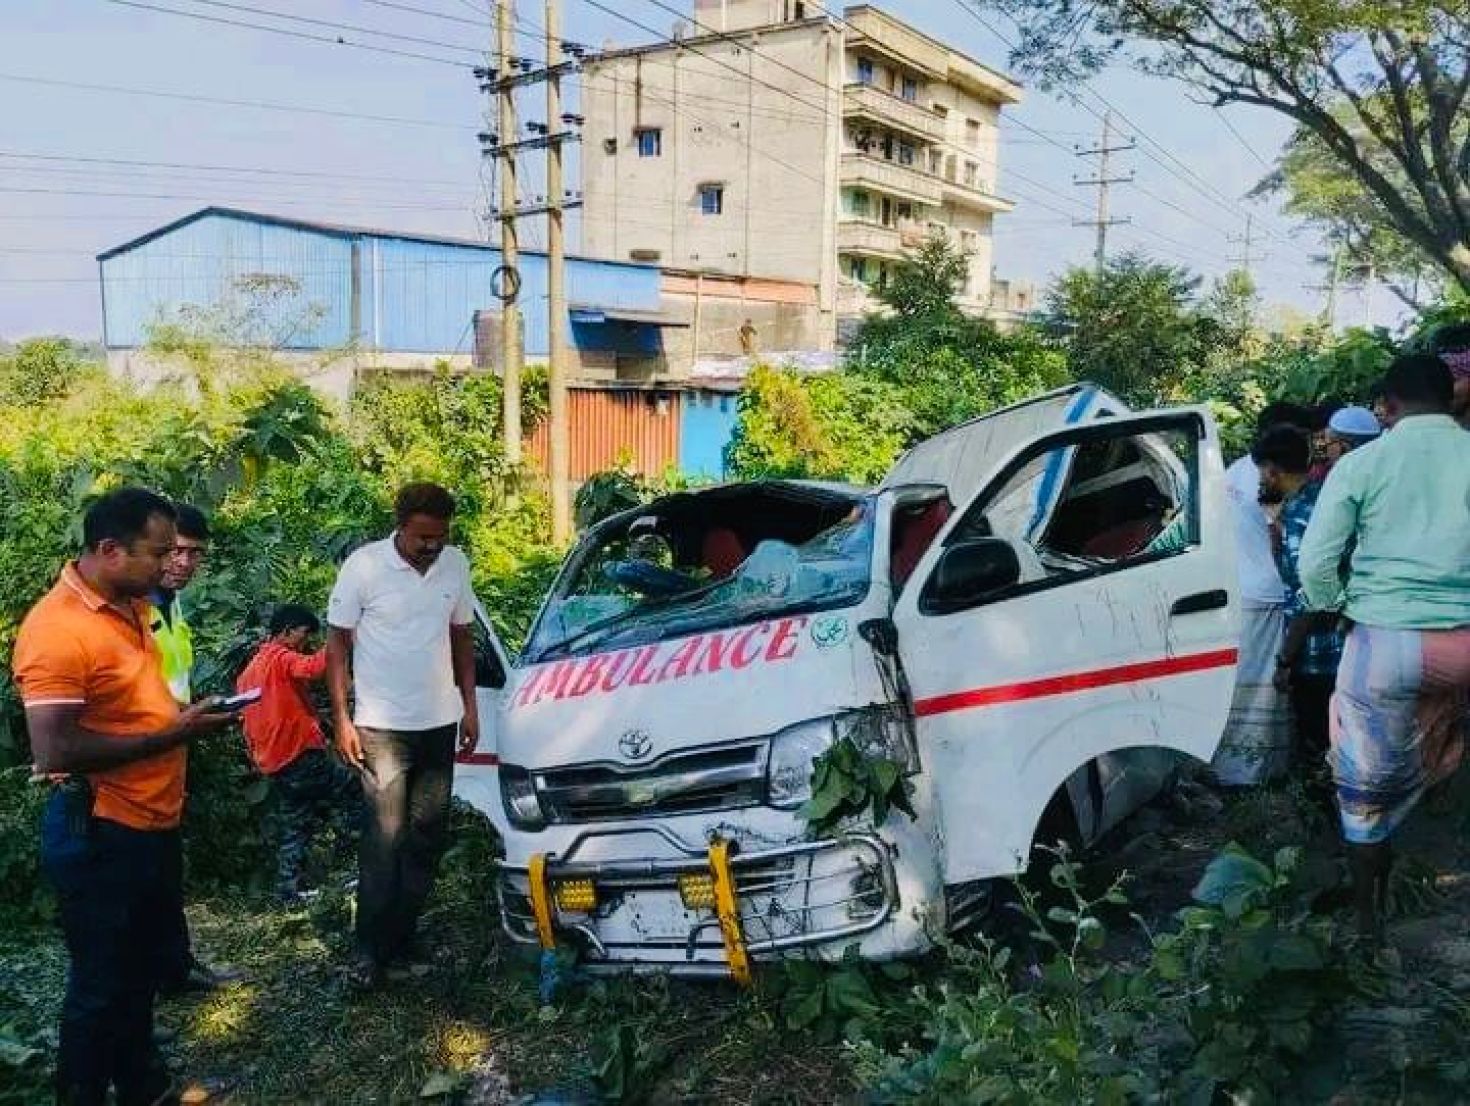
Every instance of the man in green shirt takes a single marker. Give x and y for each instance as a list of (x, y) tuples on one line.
[(179, 970), (1400, 509)]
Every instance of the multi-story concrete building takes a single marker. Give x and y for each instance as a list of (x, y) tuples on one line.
[(769, 138)]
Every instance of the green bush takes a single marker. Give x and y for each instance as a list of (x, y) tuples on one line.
[(291, 487)]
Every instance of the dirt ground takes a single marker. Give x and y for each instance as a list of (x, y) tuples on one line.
[(469, 1026)]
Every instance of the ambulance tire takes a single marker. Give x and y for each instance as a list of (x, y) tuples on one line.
[(1058, 826)]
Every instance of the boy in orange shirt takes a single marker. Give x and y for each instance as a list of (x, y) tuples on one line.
[(285, 742)]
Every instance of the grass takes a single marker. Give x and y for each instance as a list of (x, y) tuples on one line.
[(471, 1027), (295, 1032)]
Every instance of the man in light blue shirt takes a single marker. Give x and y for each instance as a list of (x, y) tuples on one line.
[(1405, 500), (1399, 508)]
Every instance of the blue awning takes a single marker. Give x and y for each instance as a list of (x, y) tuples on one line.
[(589, 313)]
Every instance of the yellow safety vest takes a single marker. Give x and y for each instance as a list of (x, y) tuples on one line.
[(175, 649)]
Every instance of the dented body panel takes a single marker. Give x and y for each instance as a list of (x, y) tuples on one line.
[(638, 728)]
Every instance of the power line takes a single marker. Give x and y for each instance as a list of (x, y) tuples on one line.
[(195, 166), (306, 36), (1183, 172), (307, 20), (212, 199), (1219, 112), (476, 23), (218, 101)]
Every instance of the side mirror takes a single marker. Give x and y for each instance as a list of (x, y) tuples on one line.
[(970, 571)]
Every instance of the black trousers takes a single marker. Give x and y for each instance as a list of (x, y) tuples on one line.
[(407, 786), (114, 886), (312, 791)]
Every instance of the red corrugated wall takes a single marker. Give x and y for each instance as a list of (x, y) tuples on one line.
[(609, 423)]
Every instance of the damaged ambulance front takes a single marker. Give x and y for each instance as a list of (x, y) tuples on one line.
[(654, 746)]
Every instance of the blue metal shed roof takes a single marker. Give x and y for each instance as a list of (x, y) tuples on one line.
[(341, 230)]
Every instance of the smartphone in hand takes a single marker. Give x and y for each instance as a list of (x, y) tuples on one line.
[(232, 704)]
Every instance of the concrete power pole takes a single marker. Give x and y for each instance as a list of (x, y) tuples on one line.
[(561, 447), (1329, 289), (510, 312), (1245, 240), (1103, 151)]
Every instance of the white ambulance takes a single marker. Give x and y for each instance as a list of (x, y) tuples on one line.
[(1034, 615)]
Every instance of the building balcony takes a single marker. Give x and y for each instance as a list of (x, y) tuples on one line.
[(907, 182), (868, 238), (861, 101), (974, 197)]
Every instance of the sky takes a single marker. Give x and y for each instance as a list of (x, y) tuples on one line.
[(241, 117)]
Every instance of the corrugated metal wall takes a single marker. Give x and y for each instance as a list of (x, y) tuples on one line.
[(415, 297), (707, 424), (610, 425), (202, 263)]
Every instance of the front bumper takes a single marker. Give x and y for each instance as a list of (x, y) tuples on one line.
[(797, 896)]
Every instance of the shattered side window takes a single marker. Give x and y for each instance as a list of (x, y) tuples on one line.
[(1104, 502)]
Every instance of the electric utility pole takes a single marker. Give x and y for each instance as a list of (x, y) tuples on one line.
[(509, 293), (1245, 240), (511, 73), (1329, 289), (1103, 151), (556, 296)]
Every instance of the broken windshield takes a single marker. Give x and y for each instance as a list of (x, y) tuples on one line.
[(661, 577)]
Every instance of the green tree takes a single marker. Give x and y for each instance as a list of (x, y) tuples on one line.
[(1382, 84), (1314, 186), (1133, 328), (927, 283), (947, 366), (836, 427)]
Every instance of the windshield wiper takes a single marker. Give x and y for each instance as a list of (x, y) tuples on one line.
[(652, 606)]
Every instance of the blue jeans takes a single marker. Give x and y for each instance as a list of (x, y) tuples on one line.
[(115, 890), (407, 791)]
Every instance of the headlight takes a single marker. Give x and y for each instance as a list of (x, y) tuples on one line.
[(886, 732), (789, 769), (518, 792)]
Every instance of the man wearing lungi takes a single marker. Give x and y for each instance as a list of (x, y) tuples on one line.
[(1257, 739), (1399, 711)]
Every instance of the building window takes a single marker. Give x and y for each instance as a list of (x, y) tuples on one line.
[(711, 199), (905, 212), (650, 142), (858, 203), (905, 153), (971, 170), (972, 131), (865, 70), (910, 91), (860, 269), (935, 159)]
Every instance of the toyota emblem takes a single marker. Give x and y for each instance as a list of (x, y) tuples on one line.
[(635, 744)]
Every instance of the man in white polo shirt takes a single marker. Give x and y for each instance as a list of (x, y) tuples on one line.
[(402, 608)]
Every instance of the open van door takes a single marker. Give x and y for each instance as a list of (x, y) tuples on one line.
[(962, 456), (1081, 602), (477, 773)]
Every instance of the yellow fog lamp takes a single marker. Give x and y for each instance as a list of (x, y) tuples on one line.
[(697, 891), (576, 896)]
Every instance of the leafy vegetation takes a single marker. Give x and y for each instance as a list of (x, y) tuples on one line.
[(1382, 84), (848, 783)]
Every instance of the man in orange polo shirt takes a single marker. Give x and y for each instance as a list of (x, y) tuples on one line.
[(99, 712)]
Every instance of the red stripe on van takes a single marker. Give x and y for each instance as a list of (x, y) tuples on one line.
[(489, 759), (1077, 681)]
